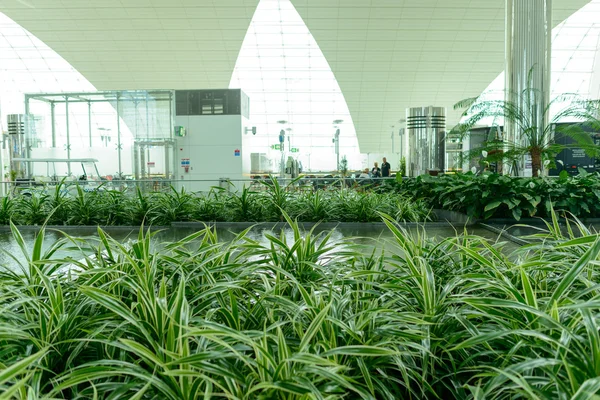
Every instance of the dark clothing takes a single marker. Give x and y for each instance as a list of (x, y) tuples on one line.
[(385, 169), (375, 172)]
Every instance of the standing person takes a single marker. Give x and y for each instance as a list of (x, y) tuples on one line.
[(385, 168), (375, 171)]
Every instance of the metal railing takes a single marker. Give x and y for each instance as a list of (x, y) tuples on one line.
[(8, 188)]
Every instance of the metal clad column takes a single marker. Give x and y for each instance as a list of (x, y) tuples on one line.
[(528, 58), (425, 149)]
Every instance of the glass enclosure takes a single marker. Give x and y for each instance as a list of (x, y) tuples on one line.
[(129, 133)]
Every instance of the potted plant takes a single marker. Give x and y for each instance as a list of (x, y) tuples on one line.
[(535, 139)]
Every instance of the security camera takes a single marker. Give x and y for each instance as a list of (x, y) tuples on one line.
[(254, 130)]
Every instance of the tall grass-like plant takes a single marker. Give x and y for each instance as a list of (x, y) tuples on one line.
[(300, 315), (172, 206), (211, 206), (117, 206), (87, 208), (7, 210), (59, 202), (32, 209), (278, 196), (318, 206), (140, 208), (246, 205)]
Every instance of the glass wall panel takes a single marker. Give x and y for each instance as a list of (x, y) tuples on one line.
[(288, 79)]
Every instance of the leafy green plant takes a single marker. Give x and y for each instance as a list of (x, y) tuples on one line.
[(302, 315), (32, 209), (117, 206), (402, 168), (491, 195), (7, 209), (86, 208), (171, 206), (140, 208), (534, 136), (318, 206), (245, 206), (278, 196), (60, 203), (343, 167)]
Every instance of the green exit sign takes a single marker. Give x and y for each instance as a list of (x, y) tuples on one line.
[(295, 150), (276, 146)]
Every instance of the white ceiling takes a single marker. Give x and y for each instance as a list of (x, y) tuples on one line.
[(139, 44), (387, 55)]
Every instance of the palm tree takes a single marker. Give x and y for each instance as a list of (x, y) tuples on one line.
[(536, 138)]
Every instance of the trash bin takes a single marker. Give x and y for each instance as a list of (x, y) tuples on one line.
[(224, 183)]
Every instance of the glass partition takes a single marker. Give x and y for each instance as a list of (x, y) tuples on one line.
[(129, 133)]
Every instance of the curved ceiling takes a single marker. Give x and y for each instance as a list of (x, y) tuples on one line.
[(141, 44), (387, 55)]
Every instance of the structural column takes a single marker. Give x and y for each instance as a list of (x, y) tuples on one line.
[(527, 69)]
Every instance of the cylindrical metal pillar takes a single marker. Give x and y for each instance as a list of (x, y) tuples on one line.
[(527, 69), (119, 137), (68, 134), (90, 122), (53, 122), (425, 151)]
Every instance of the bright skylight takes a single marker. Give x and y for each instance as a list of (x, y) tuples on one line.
[(287, 78), (27, 65), (575, 45)]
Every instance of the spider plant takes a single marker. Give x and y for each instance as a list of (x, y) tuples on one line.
[(59, 202), (7, 210), (32, 209), (302, 315), (87, 208), (246, 205), (318, 206), (278, 196), (172, 206)]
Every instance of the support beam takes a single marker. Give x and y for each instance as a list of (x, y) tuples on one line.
[(53, 122), (68, 135), (90, 122), (528, 59)]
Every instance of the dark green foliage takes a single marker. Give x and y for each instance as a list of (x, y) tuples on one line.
[(245, 206), (7, 206), (31, 209), (497, 196), (87, 208), (171, 206), (278, 197)]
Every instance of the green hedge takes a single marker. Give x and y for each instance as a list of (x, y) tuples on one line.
[(106, 207), (498, 196)]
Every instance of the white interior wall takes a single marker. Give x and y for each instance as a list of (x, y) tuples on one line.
[(209, 144)]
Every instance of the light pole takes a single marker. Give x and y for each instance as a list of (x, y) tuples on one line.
[(282, 149), (336, 141)]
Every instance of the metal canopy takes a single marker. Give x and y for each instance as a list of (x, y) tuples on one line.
[(102, 96), (57, 160)]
